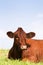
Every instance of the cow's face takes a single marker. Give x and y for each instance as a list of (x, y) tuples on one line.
[(20, 37)]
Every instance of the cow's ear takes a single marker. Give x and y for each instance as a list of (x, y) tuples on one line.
[(10, 34), (30, 35)]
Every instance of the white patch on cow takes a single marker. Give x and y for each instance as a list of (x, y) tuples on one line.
[(24, 47)]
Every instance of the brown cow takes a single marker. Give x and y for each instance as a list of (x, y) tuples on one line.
[(24, 47)]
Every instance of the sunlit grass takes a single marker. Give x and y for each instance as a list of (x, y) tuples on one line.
[(5, 61)]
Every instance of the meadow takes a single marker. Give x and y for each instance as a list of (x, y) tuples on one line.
[(5, 61)]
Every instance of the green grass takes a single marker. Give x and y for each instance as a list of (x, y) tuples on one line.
[(5, 61)]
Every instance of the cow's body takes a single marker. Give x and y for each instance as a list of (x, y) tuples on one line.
[(35, 51), (24, 47)]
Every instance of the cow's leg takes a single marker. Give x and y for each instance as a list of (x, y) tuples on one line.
[(33, 59)]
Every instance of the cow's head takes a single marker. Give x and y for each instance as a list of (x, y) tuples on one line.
[(20, 37)]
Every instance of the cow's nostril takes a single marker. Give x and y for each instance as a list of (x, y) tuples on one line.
[(28, 45)]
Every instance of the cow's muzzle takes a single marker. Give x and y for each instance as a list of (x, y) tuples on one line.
[(23, 47)]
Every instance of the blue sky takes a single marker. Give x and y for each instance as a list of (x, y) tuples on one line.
[(27, 14)]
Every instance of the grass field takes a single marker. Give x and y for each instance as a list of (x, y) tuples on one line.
[(5, 61)]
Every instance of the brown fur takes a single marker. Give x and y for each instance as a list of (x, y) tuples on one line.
[(35, 51)]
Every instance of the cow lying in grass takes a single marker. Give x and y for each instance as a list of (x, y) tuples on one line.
[(24, 47)]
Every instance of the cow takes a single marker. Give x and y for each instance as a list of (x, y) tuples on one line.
[(24, 47)]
